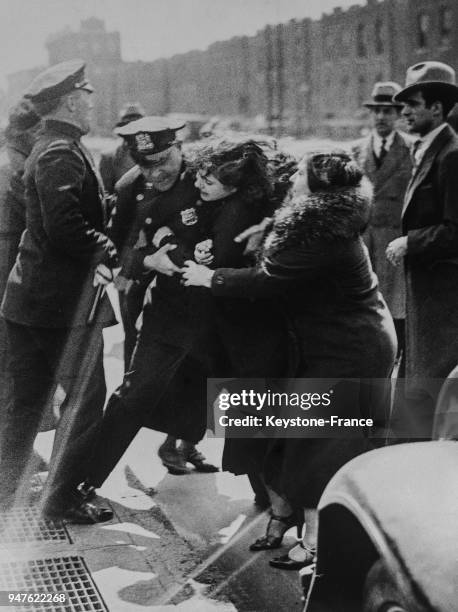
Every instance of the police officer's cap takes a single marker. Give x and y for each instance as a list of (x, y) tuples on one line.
[(57, 81), (150, 135)]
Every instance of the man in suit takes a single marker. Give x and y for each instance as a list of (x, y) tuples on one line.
[(384, 157), (428, 247), (64, 255), (114, 164)]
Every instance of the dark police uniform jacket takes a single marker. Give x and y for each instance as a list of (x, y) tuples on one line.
[(50, 284), (176, 310), (183, 315)]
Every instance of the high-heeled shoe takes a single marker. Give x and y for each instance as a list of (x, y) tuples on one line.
[(270, 541)]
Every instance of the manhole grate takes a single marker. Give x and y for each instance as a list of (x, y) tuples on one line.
[(59, 575), (25, 524)]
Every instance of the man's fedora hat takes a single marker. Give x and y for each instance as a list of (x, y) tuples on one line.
[(382, 94), (57, 81), (150, 135), (429, 75)]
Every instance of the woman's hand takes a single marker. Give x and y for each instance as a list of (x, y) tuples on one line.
[(196, 275), (202, 252), (254, 236)]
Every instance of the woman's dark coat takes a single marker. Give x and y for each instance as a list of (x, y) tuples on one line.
[(316, 262)]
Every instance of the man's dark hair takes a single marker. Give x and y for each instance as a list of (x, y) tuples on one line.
[(431, 95)]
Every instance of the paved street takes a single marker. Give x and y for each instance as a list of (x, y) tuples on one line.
[(177, 542)]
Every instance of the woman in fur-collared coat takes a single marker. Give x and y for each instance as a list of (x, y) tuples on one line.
[(315, 259)]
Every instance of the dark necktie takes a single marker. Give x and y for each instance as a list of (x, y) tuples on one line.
[(415, 147), (382, 153)]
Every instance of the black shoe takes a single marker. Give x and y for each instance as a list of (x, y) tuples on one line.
[(82, 514), (198, 460), (173, 460), (286, 563), (87, 491)]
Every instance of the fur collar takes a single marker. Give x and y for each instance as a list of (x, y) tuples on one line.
[(321, 216)]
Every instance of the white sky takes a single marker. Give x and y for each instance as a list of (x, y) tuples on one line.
[(149, 28)]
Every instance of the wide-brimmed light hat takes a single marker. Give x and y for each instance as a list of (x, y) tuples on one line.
[(429, 75)]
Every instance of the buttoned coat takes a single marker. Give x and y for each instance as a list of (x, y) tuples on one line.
[(390, 183), (50, 284), (430, 222)]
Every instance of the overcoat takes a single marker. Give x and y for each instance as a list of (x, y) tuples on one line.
[(430, 222), (389, 182), (50, 284), (316, 260)]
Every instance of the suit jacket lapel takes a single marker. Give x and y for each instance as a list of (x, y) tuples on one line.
[(420, 172), (390, 161), (369, 166)]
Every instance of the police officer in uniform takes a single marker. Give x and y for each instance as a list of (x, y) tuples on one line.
[(53, 307), (135, 194), (159, 192)]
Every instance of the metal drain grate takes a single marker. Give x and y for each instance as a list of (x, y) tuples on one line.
[(25, 524), (67, 575)]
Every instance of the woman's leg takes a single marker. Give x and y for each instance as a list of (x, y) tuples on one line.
[(282, 518)]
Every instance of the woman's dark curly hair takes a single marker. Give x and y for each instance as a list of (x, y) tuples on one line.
[(242, 165)]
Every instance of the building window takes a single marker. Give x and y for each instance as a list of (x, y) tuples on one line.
[(361, 50), (445, 24), (361, 90), (379, 48), (423, 22)]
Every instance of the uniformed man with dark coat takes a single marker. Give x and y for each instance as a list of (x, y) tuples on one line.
[(135, 195), (158, 192), (53, 307)]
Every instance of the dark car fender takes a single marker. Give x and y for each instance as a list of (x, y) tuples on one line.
[(400, 504)]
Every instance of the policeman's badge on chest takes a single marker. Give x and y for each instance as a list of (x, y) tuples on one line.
[(189, 216)]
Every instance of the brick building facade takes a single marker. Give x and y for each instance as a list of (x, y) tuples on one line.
[(304, 76)]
